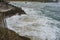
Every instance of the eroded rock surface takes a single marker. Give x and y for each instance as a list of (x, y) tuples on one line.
[(6, 34)]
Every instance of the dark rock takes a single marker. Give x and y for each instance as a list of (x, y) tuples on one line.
[(6, 34), (7, 9)]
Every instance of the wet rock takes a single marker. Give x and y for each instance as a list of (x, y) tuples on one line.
[(7, 9), (6, 34)]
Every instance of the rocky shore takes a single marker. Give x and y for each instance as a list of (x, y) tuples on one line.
[(6, 34)]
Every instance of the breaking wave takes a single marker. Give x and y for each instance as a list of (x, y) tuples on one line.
[(35, 25)]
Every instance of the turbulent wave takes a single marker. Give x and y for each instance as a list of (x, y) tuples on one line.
[(52, 11), (35, 24)]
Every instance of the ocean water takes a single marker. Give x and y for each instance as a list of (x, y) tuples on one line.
[(41, 21)]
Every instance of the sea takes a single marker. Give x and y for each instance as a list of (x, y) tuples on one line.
[(41, 21)]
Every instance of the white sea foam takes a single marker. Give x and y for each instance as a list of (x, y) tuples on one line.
[(33, 25)]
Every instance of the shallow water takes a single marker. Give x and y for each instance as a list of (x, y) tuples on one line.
[(38, 24)]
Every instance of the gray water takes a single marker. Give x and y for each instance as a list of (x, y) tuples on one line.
[(48, 9), (41, 22), (52, 11)]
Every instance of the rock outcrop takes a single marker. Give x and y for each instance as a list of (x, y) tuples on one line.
[(6, 34)]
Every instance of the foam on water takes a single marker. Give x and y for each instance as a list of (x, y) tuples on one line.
[(34, 25)]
